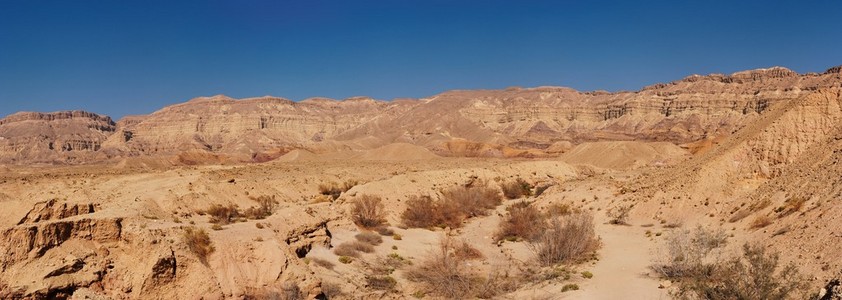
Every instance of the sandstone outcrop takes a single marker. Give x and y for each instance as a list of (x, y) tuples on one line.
[(510, 122)]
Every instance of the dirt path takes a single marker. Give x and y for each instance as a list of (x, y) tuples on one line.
[(621, 272)]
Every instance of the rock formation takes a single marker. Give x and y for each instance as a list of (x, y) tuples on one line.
[(510, 122)]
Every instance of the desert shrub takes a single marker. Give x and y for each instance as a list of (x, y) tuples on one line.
[(687, 251), (760, 222), (335, 190), (753, 276), (560, 209), (199, 242), (346, 259), (445, 275), (570, 287), (332, 290), (288, 291), (474, 200), (567, 239), (516, 189), (587, 275), (619, 215), (464, 251), (369, 237), (523, 221), (368, 211), (791, 205), (539, 190), (353, 249), (457, 204), (222, 215), (265, 206), (385, 231), (421, 212), (397, 237), (322, 263), (381, 282), (217, 227)]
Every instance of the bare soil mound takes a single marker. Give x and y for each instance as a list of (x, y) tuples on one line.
[(624, 155)]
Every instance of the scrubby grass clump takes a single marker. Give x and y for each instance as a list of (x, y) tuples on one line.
[(199, 242), (227, 214), (368, 212), (455, 205)]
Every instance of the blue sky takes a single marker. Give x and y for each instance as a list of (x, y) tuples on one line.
[(134, 57)]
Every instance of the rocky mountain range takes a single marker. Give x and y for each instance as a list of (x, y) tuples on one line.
[(515, 122)]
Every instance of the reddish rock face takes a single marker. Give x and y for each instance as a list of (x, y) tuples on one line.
[(513, 121)]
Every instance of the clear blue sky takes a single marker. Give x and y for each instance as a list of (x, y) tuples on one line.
[(134, 57)]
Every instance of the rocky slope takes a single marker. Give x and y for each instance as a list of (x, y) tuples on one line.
[(512, 122)]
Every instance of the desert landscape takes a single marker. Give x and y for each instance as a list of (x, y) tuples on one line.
[(720, 186)]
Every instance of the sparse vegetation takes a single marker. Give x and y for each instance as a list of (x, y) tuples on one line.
[(760, 222), (457, 204), (686, 252), (587, 275), (523, 221), (569, 287), (367, 212), (539, 190), (331, 290), (619, 215), (570, 238), (381, 282), (199, 242), (516, 189), (334, 190), (223, 215), (445, 274), (754, 275), (353, 249), (322, 263), (369, 237), (346, 259)]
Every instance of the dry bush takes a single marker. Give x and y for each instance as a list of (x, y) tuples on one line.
[(381, 282), (687, 251), (368, 211), (523, 221), (464, 251), (474, 200), (266, 205), (421, 212), (791, 205), (322, 263), (760, 222), (753, 276), (567, 239), (457, 204), (220, 214), (739, 215), (444, 274), (619, 215), (199, 242), (288, 291), (560, 209), (353, 249), (385, 231), (332, 290), (369, 237), (334, 190), (539, 190), (516, 189)]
